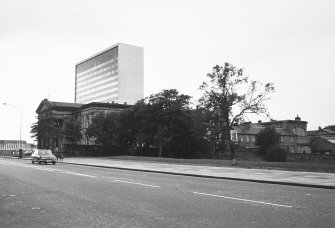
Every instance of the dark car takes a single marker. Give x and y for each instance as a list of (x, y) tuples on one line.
[(43, 155), (15, 153)]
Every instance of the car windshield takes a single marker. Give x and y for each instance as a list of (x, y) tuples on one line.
[(44, 152)]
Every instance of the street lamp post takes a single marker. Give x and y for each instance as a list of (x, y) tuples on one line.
[(20, 142)]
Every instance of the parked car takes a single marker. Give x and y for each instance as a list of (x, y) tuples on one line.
[(15, 153), (43, 155)]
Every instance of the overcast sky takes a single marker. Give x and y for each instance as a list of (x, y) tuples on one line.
[(290, 43)]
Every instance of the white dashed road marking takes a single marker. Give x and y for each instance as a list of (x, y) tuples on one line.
[(78, 174), (128, 182), (136, 183), (245, 200)]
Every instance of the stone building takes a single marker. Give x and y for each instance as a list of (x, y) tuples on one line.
[(293, 134), (323, 145), (60, 113), (322, 140), (86, 112)]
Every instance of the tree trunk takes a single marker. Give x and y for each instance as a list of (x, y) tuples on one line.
[(226, 140), (160, 152)]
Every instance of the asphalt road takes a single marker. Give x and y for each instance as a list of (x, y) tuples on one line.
[(63, 195)]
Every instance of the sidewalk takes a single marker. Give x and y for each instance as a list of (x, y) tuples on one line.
[(307, 179)]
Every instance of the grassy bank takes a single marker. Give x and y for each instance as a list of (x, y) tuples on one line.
[(308, 166)]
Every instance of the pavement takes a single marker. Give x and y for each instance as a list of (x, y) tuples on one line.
[(293, 178)]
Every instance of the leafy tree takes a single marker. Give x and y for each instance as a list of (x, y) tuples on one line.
[(72, 131), (95, 129), (164, 120), (189, 140), (267, 138), (128, 129), (105, 129), (145, 124), (47, 127), (229, 96), (167, 110)]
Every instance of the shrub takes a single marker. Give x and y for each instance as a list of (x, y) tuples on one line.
[(276, 154), (266, 138)]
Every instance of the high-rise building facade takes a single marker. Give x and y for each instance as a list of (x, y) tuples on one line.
[(112, 75)]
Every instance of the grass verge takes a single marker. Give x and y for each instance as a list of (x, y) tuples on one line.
[(307, 166)]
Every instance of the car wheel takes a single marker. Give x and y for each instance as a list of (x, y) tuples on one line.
[(32, 162), (54, 163), (39, 162)]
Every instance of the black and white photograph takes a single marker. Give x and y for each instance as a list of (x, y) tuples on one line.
[(189, 113)]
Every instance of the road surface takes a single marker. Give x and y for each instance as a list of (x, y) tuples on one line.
[(63, 195)]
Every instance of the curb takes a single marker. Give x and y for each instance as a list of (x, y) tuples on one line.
[(208, 176)]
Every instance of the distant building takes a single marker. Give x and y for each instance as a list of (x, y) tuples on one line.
[(321, 132), (62, 112), (112, 75), (293, 134), (7, 146), (322, 140)]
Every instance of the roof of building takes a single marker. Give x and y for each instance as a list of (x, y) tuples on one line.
[(12, 141), (77, 106), (328, 131), (310, 133), (105, 105), (57, 104), (330, 139), (321, 132), (65, 104), (297, 120), (284, 121), (249, 129), (254, 129), (105, 50)]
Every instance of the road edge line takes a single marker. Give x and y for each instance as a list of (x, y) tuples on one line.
[(208, 176)]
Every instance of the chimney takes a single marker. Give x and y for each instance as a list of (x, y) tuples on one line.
[(297, 118)]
